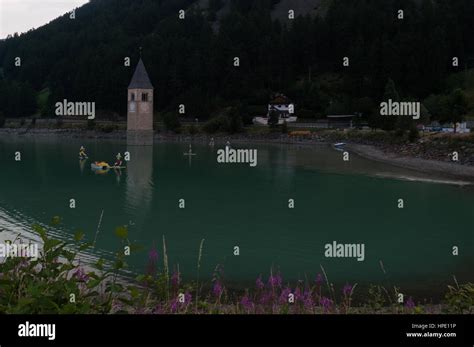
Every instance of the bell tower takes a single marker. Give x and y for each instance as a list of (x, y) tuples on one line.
[(140, 101)]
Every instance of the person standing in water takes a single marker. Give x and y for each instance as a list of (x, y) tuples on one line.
[(82, 153), (118, 162)]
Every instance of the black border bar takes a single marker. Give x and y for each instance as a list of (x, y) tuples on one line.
[(259, 329)]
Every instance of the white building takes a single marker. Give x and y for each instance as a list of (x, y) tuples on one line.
[(283, 106)]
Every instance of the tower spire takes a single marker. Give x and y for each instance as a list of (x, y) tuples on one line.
[(140, 79)]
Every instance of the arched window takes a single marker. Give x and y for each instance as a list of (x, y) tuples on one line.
[(145, 97), (133, 97)]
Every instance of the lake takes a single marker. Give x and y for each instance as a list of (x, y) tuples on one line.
[(232, 205)]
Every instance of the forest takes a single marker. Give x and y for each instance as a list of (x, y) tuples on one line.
[(425, 52)]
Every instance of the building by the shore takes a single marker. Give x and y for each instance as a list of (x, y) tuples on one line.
[(282, 105), (140, 107)]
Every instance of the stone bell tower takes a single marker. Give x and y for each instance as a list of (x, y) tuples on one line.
[(140, 101)]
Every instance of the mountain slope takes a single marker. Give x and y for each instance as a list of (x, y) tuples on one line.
[(191, 62)]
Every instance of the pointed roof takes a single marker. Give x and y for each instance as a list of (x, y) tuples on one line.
[(140, 79)]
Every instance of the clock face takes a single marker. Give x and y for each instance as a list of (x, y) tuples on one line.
[(132, 107)]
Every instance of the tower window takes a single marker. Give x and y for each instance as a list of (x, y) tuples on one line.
[(133, 96), (145, 97)]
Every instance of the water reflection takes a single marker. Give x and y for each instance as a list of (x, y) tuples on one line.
[(139, 183)]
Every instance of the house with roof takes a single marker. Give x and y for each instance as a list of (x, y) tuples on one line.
[(281, 105)]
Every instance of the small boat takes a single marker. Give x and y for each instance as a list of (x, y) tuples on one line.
[(339, 146), (100, 165)]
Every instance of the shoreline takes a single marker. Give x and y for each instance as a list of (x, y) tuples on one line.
[(422, 165), (368, 151)]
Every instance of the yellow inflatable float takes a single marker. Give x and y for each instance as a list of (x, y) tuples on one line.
[(100, 165)]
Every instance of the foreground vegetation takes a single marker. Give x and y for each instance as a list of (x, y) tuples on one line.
[(57, 283)]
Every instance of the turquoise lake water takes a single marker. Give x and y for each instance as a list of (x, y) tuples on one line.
[(232, 205)]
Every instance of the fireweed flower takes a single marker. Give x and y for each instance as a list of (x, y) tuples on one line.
[(410, 304), (187, 298), (180, 302), (285, 295), (259, 283), (308, 300), (266, 298), (174, 305), (217, 289), (347, 290), (80, 275), (326, 303), (319, 279), (175, 280), (246, 302), (275, 280), (152, 260), (153, 255)]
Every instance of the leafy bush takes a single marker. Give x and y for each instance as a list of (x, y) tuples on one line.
[(171, 121), (217, 124), (460, 299), (53, 283), (376, 300)]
